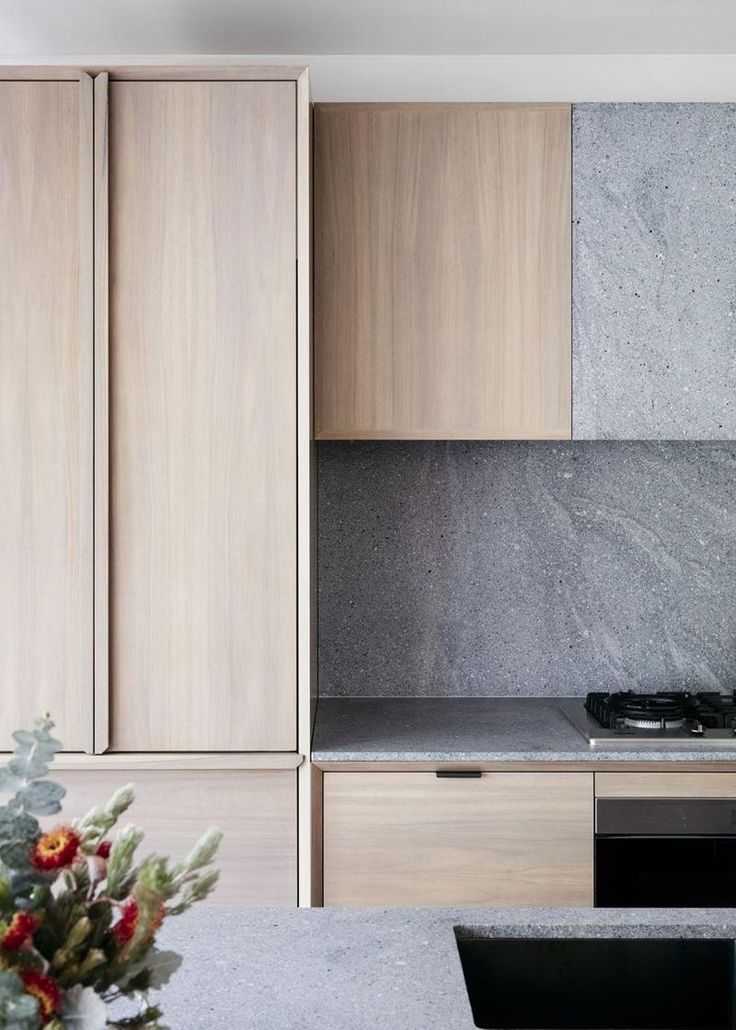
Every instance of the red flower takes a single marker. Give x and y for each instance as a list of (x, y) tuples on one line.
[(104, 848), (22, 926), (56, 849), (45, 990), (125, 927)]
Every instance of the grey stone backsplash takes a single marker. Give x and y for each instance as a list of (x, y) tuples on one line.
[(496, 569), (654, 271)]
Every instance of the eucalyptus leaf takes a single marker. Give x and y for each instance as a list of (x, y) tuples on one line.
[(17, 826), (25, 737), (28, 767), (18, 1010), (52, 746), (23, 882), (15, 854), (8, 781), (41, 798)]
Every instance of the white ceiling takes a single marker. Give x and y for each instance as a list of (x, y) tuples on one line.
[(99, 27)]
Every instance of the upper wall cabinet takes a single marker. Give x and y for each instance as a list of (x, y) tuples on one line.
[(203, 425), (442, 271), (654, 276), (46, 378)]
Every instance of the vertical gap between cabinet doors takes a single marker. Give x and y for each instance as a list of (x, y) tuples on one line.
[(85, 99), (101, 701)]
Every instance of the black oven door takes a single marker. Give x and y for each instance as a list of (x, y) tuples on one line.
[(665, 853)]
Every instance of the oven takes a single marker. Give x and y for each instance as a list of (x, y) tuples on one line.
[(665, 852)]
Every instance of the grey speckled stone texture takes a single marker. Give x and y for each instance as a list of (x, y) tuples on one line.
[(355, 969), (654, 280), (482, 569), (471, 729)]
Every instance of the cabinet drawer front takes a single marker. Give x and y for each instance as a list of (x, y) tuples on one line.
[(255, 809), (665, 785), (500, 839)]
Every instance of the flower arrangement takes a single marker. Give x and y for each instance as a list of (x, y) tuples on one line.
[(78, 916)]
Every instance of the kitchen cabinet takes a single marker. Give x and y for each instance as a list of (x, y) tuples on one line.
[(202, 413), (496, 839), (175, 804), (666, 785), (46, 428), (654, 223), (155, 387), (442, 271)]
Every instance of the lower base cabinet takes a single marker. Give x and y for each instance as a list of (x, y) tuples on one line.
[(507, 839), (256, 809)]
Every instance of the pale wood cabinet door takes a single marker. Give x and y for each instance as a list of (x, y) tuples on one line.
[(502, 839), (45, 409), (202, 338), (255, 808), (442, 271)]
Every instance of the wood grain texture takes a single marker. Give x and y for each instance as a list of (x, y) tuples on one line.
[(666, 785), (204, 72), (183, 760), (502, 839), (39, 73), (256, 810), (168, 72), (442, 271), (45, 413), (203, 416), (102, 420)]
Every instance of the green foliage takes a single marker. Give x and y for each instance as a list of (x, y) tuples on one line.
[(18, 1010), (34, 751), (95, 914)]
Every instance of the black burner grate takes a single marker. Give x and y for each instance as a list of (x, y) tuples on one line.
[(663, 710)]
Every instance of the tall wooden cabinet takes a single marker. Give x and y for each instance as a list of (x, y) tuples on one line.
[(202, 468), (154, 425), (442, 271), (46, 405)]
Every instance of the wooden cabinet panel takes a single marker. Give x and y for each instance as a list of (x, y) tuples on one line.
[(45, 409), (442, 271), (500, 839), (255, 809), (665, 785), (202, 415)]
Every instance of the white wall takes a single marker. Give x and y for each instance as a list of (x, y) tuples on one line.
[(571, 77)]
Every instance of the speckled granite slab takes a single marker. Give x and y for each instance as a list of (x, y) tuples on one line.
[(469, 730), (654, 272), (496, 569), (354, 969)]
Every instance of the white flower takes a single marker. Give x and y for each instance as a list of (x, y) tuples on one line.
[(83, 1009)]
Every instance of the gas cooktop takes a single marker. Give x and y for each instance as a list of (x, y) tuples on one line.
[(665, 719)]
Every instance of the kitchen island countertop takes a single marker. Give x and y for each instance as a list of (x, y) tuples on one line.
[(354, 969), (493, 729)]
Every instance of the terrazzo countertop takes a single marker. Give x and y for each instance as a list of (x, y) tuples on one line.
[(503, 729), (349, 969)]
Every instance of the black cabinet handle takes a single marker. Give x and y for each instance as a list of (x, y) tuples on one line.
[(458, 774)]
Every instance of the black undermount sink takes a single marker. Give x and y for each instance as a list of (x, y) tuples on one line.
[(599, 984)]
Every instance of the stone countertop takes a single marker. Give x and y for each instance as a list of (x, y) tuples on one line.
[(348, 969), (501, 729)]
